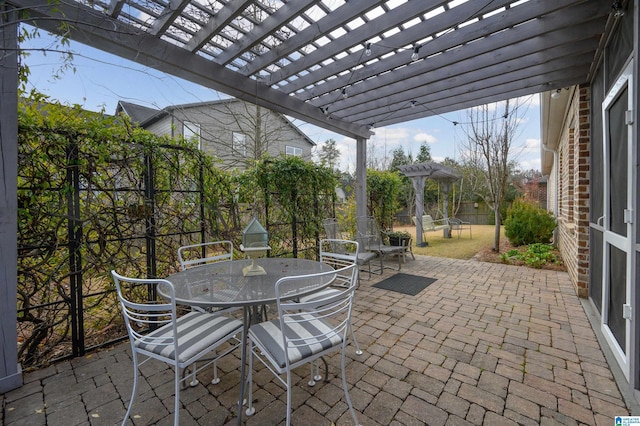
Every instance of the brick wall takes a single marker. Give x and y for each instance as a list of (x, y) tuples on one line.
[(573, 190)]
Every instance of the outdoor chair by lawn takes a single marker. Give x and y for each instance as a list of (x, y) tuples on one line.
[(369, 237), (333, 231), (431, 225), (459, 225)]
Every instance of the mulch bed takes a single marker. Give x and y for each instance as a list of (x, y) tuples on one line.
[(488, 255)]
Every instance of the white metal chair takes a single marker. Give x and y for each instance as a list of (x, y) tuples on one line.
[(338, 254), (303, 333), (195, 255), (155, 331), (333, 231), (198, 254)]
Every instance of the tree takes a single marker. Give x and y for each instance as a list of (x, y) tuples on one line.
[(399, 158), (329, 154), (490, 132), (424, 155)]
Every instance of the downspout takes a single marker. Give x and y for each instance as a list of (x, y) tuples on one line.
[(556, 172)]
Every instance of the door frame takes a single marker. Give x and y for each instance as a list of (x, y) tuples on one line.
[(610, 238)]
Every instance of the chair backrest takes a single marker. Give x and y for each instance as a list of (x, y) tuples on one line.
[(198, 254), (339, 253), (331, 228), (299, 320), (142, 315), (368, 233)]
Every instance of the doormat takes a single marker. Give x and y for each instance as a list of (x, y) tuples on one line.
[(405, 283)]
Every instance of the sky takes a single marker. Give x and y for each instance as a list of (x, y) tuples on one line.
[(98, 80)]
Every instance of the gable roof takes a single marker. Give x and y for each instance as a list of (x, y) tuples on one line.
[(144, 116), (139, 114)]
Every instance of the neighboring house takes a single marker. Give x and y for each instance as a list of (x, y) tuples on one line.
[(590, 153), (234, 131)]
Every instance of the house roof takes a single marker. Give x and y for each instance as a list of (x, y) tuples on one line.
[(346, 66), (139, 114), (144, 116)]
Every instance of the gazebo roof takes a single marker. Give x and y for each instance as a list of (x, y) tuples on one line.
[(430, 170), (347, 66)]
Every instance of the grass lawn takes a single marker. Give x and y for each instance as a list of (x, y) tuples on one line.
[(462, 248)]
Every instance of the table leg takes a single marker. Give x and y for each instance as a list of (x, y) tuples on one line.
[(243, 360)]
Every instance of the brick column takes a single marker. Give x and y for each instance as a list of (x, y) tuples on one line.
[(582, 188)]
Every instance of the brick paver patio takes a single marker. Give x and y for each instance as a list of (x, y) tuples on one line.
[(485, 344)]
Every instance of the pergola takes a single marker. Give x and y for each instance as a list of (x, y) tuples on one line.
[(419, 173), (343, 66)]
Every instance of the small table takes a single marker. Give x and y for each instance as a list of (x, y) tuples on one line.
[(223, 285)]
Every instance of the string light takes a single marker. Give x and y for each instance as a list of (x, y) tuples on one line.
[(413, 103), (367, 50), (345, 95), (414, 55)]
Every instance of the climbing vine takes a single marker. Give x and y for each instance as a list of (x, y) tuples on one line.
[(383, 188), (96, 193)]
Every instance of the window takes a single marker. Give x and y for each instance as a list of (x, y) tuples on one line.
[(294, 151), (191, 131), (240, 144)]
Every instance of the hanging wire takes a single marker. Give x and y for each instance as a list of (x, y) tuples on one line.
[(414, 56)]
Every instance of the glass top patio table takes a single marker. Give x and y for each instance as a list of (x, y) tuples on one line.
[(223, 284)]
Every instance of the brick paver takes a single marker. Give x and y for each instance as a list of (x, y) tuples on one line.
[(485, 344)]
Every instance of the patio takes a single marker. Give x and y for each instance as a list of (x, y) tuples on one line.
[(485, 344)]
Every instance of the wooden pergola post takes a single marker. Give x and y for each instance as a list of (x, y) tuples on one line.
[(10, 371), (361, 177)]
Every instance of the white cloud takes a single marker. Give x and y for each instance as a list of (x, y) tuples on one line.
[(425, 137), (531, 145), (531, 163)]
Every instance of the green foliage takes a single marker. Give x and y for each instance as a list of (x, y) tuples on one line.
[(294, 191), (424, 154), (83, 181), (329, 154), (535, 256), (382, 190), (527, 223)]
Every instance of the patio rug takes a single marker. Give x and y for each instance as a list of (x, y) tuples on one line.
[(405, 283)]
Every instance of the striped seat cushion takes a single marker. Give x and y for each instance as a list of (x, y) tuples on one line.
[(320, 337), (322, 294), (196, 332)]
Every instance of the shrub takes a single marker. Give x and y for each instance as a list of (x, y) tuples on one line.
[(527, 223), (536, 256)]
